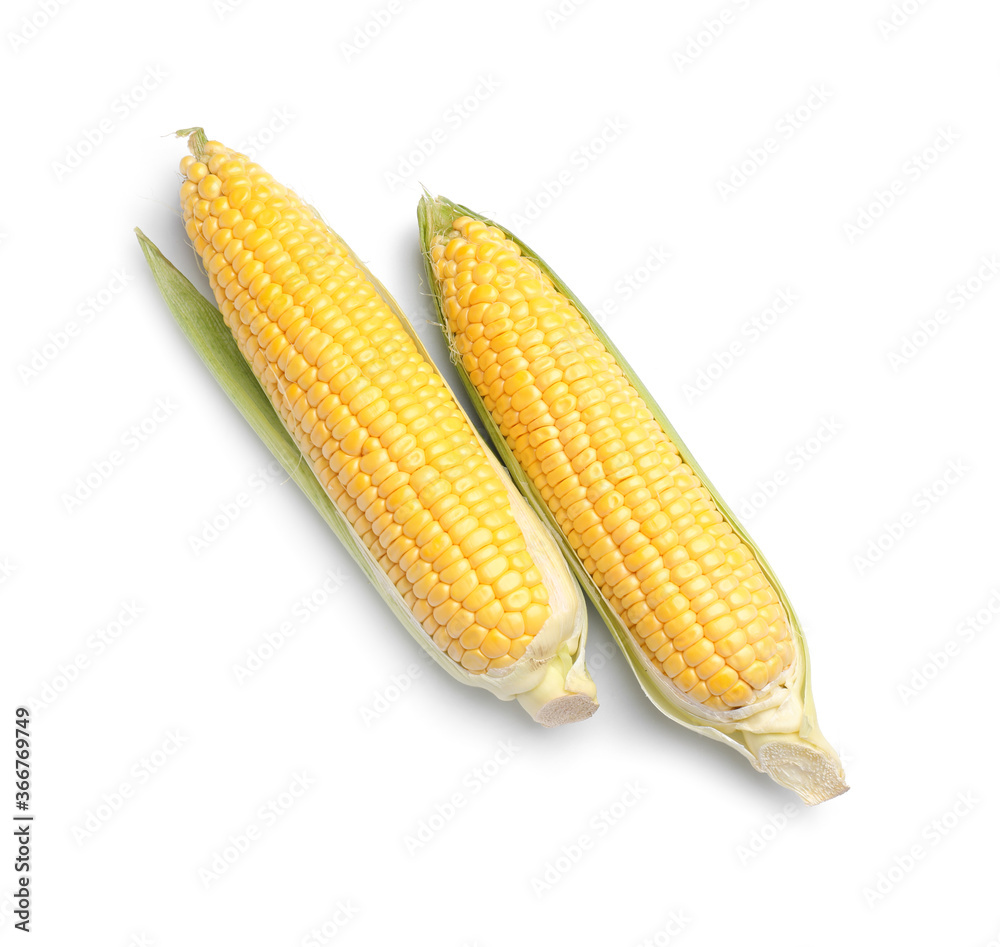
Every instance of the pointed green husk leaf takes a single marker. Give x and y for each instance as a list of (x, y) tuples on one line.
[(564, 691), (783, 741)]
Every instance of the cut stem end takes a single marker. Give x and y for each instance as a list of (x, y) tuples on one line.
[(565, 694), (811, 769)]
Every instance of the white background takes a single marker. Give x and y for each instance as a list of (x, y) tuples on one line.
[(701, 849)]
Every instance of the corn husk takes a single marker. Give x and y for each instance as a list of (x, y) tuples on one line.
[(550, 680), (780, 736)]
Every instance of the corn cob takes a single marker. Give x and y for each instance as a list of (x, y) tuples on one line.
[(386, 439), (692, 602)]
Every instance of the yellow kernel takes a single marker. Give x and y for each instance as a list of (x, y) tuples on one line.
[(683, 621), (731, 643), (699, 651), (765, 648), (456, 619), (535, 615), (755, 675), (687, 637), (472, 660), (507, 583), (774, 667), (495, 644), (718, 628), (490, 614), (475, 540), (738, 695), (686, 679), (672, 607), (490, 571), (710, 666), (209, 187), (483, 273), (738, 598), (517, 601), (512, 624), (699, 693), (484, 293), (472, 637)]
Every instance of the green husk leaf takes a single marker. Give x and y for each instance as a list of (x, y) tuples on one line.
[(783, 741), (563, 691)]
